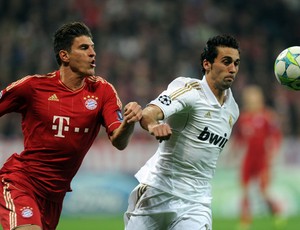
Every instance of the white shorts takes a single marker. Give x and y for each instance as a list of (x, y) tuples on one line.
[(152, 209)]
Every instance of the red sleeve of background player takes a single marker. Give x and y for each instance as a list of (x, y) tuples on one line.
[(13, 97), (275, 129), (237, 130), (112, 109)]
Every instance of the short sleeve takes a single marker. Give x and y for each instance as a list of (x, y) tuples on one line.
[(13, 96), (179, 95), (112, 109)]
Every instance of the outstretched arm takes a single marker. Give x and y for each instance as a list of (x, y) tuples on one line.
[(151, 117), (120, 137)]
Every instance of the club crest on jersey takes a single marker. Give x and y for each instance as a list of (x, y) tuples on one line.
[(26, 212), (230, 121), (91, 102), (165, 99)]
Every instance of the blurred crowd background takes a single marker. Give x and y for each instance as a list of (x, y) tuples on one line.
[(142, 45)]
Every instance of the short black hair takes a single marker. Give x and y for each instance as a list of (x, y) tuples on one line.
[(64, 37), (210, 51)]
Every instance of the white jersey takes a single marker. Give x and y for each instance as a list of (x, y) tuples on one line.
[(185, 164)]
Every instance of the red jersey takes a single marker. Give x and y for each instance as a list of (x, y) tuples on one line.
[(260, 133), (59, 126)]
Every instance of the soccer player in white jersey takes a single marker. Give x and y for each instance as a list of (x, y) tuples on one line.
[(192, 119)]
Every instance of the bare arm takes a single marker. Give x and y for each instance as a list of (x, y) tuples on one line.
[(151, 116), (120, 137)]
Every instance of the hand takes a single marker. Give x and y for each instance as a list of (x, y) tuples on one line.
[(132, 112), (161, 131)]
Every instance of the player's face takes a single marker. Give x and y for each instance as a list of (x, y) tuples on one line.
[(223, 70), (82, 56)]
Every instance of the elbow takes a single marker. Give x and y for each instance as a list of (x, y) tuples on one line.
[(121, 137), (120, 146)]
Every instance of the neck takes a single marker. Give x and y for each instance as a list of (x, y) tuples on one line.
[(70, 79), (219, 93)]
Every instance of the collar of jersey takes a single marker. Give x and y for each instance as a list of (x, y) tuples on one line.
[(210, 96)]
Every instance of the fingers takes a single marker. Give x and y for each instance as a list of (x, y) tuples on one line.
[(132, 112), (160, 131)]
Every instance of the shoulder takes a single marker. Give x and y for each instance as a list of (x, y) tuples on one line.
[(36, 77), (270, 113), (185, 90), (233, 106), (185, 81), (27, 80), (99, 84), (97, 80), (184, 84)]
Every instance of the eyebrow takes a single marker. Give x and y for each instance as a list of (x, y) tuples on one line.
[(229, 57), (86, 45)]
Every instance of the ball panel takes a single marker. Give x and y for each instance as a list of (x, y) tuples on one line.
[(292, 71), (279, 68), (298, 60), (294, 49)]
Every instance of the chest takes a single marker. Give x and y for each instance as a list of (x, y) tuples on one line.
[(218, 119), (204, 123), (253, 125), (56, 106)]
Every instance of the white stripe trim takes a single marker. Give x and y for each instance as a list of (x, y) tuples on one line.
[(9, 202)]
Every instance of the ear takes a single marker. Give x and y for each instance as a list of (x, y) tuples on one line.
[(206, 65), (64, 56)]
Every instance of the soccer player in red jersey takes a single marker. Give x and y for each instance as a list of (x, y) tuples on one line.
[(62, 113), (258, 131)]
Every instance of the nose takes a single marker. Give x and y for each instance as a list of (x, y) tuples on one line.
[(233, 68), (92, 52)]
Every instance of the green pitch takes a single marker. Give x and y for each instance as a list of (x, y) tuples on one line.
[(116, 223)]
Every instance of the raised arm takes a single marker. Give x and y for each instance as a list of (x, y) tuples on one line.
[(120, 137), (152, 116)]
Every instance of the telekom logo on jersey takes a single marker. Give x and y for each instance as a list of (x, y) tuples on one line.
[(61, 124)]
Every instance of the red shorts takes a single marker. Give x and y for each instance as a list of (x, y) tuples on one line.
[(18, 207)]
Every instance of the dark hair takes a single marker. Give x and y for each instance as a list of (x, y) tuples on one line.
[(63, 38), (210, 51)]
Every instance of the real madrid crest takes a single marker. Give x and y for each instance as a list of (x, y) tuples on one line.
[(91, 102), (230, 121)]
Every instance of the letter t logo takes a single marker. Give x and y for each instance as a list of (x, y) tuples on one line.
[(60, 127)]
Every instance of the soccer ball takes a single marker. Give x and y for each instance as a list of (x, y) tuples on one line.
[(287, 68)]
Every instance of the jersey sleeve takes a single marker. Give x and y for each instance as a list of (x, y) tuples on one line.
[(13, 97), (274, 126), (179, 95), (112, 109)]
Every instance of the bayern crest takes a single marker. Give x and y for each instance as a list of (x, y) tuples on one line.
[(91, 102), (26, 212)]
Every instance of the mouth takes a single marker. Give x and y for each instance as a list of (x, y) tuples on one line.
[(229, 78), (93, 64)]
